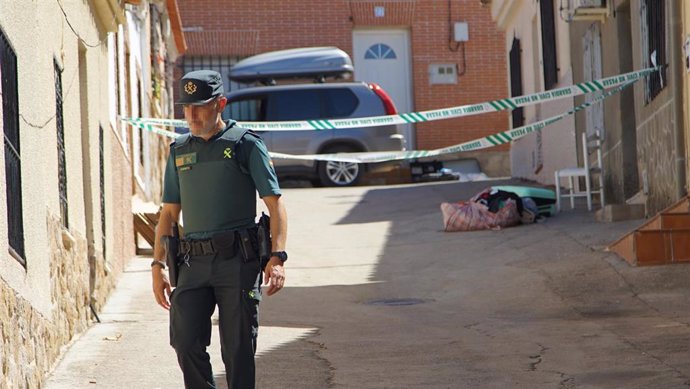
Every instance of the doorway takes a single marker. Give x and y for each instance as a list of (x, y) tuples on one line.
[(383, 57)]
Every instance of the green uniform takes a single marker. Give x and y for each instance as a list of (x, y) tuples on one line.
[(216, 182), (207, 178)]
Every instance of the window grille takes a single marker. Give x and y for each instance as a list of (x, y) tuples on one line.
[(516, 81), (62, 171), (654, 16), (548, 43), (101, 177), (117, 75), (222, 65), (380, 51), (13, 178), (140, 131)]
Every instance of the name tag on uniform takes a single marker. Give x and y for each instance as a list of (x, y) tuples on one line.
[(185, 159)]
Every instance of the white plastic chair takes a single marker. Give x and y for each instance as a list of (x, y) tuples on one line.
[(590, 145)]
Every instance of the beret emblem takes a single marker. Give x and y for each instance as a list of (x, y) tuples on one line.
[(190, 88)]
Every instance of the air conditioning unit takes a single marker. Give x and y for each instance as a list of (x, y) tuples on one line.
[(585, 10)]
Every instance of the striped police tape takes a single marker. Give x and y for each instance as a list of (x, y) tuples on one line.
[(424, 116), (495, 139)]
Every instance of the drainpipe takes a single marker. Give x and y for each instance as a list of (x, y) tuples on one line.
[(676, 80)]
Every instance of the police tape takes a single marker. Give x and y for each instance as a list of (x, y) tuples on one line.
[(432, 115), (495, 139), (498, 138)]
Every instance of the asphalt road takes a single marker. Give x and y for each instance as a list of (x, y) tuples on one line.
[(379, 297)]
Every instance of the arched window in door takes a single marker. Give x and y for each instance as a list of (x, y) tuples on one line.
[(380, 51)]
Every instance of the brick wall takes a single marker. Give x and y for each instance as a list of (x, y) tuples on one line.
[(485, 76), (244, 27)]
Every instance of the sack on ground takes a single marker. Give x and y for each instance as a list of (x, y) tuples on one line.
[(471, 216)]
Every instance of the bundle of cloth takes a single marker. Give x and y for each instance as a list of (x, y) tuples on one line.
[(489, 209)]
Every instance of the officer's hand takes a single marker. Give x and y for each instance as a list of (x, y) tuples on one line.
[(274, 276), (161, 287)]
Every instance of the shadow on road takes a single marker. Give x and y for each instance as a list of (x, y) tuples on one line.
[(529, 306)]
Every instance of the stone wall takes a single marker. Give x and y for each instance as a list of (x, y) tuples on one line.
[(31, 342), (657, 158)]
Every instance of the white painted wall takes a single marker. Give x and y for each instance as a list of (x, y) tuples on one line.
[(556, 147), (139, 81), (36, 48)]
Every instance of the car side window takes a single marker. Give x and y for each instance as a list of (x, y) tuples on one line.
[(340, 103), (295, 105), (246, 109)]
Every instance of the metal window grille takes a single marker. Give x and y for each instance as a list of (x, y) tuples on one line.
[(548, 43), (117, 76), (222, 65), (656, 42), (62, 170), (13, 178), (101, 177), (516, 81), (140, 131)]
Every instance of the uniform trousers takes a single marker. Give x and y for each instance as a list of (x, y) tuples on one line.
[(233, 285)]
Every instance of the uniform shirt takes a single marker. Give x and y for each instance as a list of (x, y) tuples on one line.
[(206, 178)]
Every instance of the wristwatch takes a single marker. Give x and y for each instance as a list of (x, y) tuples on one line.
[(158, 262), (282, 255)]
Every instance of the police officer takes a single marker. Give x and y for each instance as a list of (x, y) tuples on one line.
[(213, 175)]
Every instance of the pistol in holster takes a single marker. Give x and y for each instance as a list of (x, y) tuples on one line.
[(172, 247), (263, 239)]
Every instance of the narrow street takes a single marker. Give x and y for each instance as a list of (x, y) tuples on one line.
[(588, 99), (380, 297)]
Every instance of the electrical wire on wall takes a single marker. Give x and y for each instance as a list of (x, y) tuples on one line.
[(50, 119), (454, 46), (85, 43)]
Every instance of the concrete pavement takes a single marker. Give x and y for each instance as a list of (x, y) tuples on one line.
[(536, 306)]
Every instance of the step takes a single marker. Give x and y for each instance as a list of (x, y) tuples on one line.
[(675, 220), (664, 246), (663, 239), (618, 212)]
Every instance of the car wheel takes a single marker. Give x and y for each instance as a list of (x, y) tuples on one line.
[(333, 173)]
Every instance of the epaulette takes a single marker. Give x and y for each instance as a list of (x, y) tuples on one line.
[(234, 134), (181, 140)]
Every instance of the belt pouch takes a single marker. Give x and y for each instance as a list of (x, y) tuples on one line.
[(246, 247), (224, 243)]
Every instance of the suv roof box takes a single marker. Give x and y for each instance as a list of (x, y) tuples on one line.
[(309, 62)]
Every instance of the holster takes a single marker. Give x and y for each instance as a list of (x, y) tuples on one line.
[(263, 239), (172, 247)]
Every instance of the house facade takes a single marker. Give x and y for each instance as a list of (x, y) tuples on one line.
[(425, 54), (537, 52), (644, 150), (68, 174), (642, 127)]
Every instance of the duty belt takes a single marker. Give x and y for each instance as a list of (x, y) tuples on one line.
[(197, 247), (221, 242)]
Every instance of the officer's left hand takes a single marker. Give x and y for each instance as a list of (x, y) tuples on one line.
[(274, 276)]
